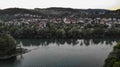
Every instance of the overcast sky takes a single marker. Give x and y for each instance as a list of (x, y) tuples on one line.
[(80, 4)]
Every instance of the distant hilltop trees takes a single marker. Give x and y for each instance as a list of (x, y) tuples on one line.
[(61, 12)]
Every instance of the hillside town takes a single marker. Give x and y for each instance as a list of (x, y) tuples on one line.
[(27, 19)]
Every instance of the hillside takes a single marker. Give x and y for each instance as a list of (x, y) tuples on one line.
[(60, 12)]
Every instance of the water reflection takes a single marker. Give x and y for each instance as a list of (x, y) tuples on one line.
[(73, 42), (12, 62)]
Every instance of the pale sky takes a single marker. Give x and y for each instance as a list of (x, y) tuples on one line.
[(79, 4)]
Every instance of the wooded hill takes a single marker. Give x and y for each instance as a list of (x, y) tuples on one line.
[(61, 12)]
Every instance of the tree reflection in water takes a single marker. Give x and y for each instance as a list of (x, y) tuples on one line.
[(12, 62), (73, 42)]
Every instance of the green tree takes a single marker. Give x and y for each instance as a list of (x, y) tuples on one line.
[(7, 44), (116, 64), (60, 33)]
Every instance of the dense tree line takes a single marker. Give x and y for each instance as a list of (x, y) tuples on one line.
[(61, 31)]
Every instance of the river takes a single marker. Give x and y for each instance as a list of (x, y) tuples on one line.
[(62, 53)]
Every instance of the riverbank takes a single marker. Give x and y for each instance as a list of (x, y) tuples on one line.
[(113, 59), (19, 51)]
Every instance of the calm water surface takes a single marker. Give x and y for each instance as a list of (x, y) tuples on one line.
[(62, 53)]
